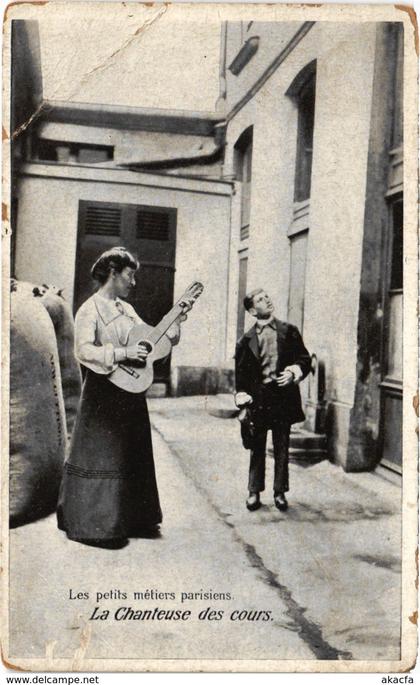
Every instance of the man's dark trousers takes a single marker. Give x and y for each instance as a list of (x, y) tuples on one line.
[(280, 428)]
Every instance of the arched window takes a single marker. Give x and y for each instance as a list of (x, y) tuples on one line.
[(302, 91)]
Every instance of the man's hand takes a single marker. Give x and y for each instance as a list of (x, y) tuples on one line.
[(285, 378), (242, 399)]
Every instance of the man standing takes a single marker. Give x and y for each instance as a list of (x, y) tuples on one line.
[(271, 360)]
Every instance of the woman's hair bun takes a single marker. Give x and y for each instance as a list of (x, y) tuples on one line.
[(117, 259)]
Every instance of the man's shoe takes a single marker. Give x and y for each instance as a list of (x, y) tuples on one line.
[(280, 501), (253, 502)]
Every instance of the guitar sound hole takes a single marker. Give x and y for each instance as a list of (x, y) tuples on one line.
[(140, 363)]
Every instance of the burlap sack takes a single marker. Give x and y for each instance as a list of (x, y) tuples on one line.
[(71, 379), (37, 418), (62, 318)]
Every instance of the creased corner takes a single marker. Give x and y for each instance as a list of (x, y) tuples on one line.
[(413, 18), (108, 61), (28, 122)]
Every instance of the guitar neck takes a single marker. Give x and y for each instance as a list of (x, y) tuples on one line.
[(167, 321)]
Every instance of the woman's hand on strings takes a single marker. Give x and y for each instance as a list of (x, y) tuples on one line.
[(137, 352)]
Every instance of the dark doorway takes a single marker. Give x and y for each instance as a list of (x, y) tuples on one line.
[(147, 231), (392, 358)]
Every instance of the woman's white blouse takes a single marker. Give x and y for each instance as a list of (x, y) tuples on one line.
[(102, 327)]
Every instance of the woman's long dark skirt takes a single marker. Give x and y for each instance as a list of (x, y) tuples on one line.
[(109, 489)]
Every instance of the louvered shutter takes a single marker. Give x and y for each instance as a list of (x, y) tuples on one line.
[(152, 225), (102, 219)]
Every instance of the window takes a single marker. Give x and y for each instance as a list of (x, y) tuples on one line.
[(243, 164), (72, 153), (395, 291), (302, 91), (397, 245), (242, 288)]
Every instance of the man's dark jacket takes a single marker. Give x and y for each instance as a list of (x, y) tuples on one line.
[(282, 402)]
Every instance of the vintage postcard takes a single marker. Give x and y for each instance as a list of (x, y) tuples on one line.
[(210, 292)]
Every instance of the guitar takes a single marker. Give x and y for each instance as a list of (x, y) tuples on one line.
[(137, 376)]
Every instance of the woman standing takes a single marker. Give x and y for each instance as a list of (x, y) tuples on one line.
[(109, 492)]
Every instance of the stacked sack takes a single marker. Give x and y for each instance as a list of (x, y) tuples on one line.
[(45, 386)]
